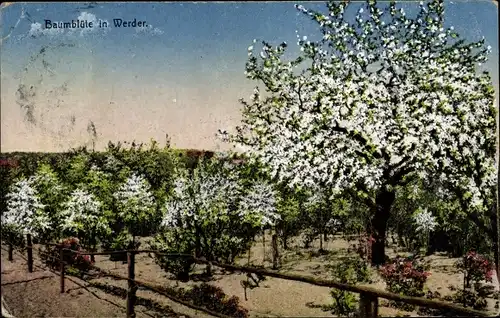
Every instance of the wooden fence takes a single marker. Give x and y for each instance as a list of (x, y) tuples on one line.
[(368, 303)]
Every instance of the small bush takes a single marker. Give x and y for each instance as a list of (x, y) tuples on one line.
[(309, 237), (469, 298), (425, 311), (476, 267), (348, 271), (215, 299), (12, 235), (405, 276), (345, 303), (124, 241), (51, 256), (181, 267)]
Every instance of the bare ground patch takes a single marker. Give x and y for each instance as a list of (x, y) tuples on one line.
[(273, 298)]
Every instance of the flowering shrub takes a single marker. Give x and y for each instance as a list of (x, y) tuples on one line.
[(424, 221), (51, 255), (215, 299), (476, 268), (424, 224), (405, 276)]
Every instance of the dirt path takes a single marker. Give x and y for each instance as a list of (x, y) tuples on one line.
[(38, 294), (274, 297)]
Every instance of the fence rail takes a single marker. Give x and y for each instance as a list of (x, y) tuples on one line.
[(368, 303)]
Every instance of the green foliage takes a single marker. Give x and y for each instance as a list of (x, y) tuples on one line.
[(287, 226), (351, 270), (11, 233), (174, 242), (456, 233), (52, 194), (344, 303), (122, 241), (470, 298)]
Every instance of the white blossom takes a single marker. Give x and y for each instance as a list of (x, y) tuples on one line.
[(135, 198), (24, 210), (83, 212), (425, 221), (260, 204), (420, 110), (203, 196)]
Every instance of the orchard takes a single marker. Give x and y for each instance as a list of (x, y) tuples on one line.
[(380, 133)]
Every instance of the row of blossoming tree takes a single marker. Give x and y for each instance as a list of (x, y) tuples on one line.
[(97, 196)]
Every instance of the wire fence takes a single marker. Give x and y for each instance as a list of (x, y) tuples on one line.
[(368, 302)]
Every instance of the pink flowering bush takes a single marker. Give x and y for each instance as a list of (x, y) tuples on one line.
[(476, 267), (72, 259), (405, 276)]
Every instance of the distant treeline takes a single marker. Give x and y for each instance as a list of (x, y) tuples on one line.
[(155, 162), (27, 160)]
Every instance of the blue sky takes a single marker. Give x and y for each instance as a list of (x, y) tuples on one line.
[(181, 76)]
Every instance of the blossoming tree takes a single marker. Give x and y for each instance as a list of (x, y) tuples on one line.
[(212, 215), (25, 214), (52, 194), (259, 208), (136, 204), (85, 218), (425, 223), (385, 99)]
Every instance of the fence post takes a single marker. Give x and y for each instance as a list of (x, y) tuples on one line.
[(132, 287), (368, 306), (61, 266), (30, 253), (11, 249)]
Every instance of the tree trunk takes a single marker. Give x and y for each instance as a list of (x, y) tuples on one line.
[(494, 236), (264, 246), (284, 239), (93, 249), (275, 251), (378, 228), (197, 248), (320, 242), (208, 267)]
